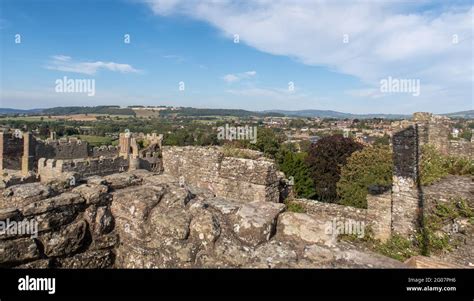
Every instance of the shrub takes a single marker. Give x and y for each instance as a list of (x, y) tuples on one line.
[(370, 166), (325, 159), (459, 166), (434, 239), (432, 165), (294, 165), (397, 247)]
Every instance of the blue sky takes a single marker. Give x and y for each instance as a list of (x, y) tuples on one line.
[(302, 42)]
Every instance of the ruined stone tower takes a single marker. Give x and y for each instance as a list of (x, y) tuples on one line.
[(1, 150), (406, 196), (434, 130), (124, 143), (27, 161)]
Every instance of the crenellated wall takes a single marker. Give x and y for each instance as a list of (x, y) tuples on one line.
[(52, 170), (71, 148)]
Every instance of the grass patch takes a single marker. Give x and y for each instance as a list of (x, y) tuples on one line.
[(434, 238), (397, 247), (295, 207), (235, 152)]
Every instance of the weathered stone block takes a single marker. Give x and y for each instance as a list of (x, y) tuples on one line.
[(93, 194), (100, 219), (254, 223), (379, 211), (205, 228), (27, 193), (274, 254), (56, 218), (17, 251), (173, 223), (65, 199), (96, 259), (305, 228), (105, 241), (66, 241), (122, 180)]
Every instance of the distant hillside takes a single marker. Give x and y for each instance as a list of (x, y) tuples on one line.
[(110, 110), (337, 115), (189, 111), (7, 111), (463, 114), (217, 112)]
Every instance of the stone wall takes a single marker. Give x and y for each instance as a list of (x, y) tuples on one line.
[(53, 170), (208, 168), (105, 151), (461, 148), (72, 229), (377, 216), (71, 148), (435, 130), (11, 151), (449, 192)]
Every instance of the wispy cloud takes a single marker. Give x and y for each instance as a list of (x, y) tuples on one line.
[(231, 78), (369, 40), (67, 64)]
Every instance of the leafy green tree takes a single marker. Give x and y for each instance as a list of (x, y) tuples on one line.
[(296, 123), (384, 140), (268, 142), (294, 165), (466, 134), (369, 166), (325, 159)]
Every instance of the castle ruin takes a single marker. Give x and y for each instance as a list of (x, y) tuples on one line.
[(142, 205)]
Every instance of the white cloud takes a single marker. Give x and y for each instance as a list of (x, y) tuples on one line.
[(231, 78), (66, 63), (386, 38), (63, 58)]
